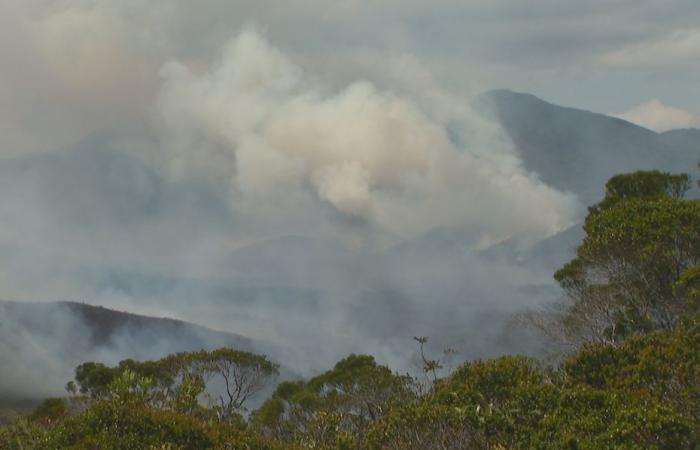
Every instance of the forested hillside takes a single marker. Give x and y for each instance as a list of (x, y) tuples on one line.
[(627, 334)]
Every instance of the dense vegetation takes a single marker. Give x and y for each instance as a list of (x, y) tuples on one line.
[(630, 378)]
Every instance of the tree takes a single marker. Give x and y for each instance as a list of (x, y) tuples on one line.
[(664, 365), (50, 410), (643, 184), (336, 405), (93, 379), (688, 287), (644, 393), (243, 374), (176, 381), (639, 241), (430, 366), (427, 425)]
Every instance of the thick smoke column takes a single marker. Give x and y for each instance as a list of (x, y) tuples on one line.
[(281, 139)]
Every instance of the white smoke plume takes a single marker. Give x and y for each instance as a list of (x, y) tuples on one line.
[(282, 139)]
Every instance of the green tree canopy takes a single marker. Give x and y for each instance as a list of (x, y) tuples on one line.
[(639, 242), (177, 381), (643, 184), (337, 405)]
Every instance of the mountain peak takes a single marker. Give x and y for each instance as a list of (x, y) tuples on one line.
[(578, 151)]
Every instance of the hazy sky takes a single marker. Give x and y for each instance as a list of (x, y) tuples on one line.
[(72, 66)]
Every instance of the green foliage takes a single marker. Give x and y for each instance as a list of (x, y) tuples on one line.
[(179, 381), (24, 434), (113, 425), (425, 425), (663, 365), (585, 418), (688, 287), (185, 397), (94, 379), (644, 393), (109, 425), (643, 185), (335, 406), (51, 409), (505, 398), (244, 374), (643, 229), (633, 272)]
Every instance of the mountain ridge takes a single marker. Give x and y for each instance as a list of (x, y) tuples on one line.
[(40, 339), (577, 151)]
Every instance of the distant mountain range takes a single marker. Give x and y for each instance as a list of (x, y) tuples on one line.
[(578, 151), (106, 326)]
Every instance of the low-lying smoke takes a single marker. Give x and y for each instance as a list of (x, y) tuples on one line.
[(316, 221)]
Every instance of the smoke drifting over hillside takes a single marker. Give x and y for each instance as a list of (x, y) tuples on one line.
[(372, 156), (319, 182), (270, 205)]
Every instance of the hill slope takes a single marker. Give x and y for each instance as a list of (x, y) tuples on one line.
[(578, 151), (45, 341)]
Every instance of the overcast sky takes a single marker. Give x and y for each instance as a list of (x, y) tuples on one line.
[(71, 66)]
